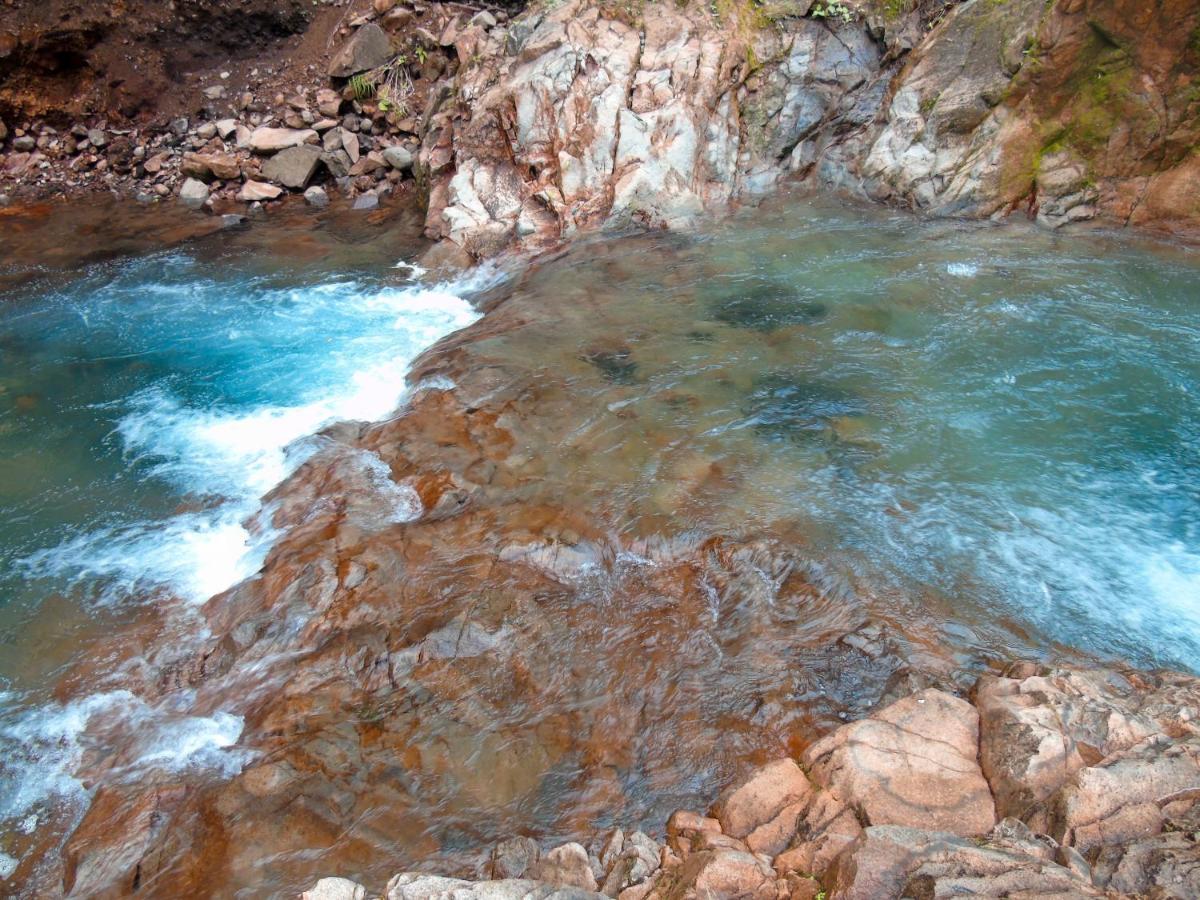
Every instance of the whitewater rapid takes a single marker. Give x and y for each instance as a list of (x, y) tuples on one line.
[(285, 362)]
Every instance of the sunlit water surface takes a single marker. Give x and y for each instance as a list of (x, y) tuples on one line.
[(996, 417)]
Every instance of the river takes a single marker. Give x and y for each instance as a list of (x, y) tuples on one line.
[(987, 432)]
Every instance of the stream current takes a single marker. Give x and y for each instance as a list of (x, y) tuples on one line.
[(995, 428)]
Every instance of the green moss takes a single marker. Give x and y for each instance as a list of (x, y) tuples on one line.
[(891, 10)]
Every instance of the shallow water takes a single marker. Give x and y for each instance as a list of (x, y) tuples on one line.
[(148, 403), (998, 416), (987, 428)]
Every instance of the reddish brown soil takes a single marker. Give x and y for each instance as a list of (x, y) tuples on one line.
[(78, 58)]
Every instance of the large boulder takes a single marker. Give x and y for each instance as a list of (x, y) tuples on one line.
[(567, 866), (1165, 866), (193, 194), (259, 191), (205, 166), (1123, 799), (760, 799), (1039, 727), (627, 860), (329, 103), (514, 857), (368, 48), (293, 167), (889, 862), (335, 889), (418, 886), (912, 763), (718, 872)]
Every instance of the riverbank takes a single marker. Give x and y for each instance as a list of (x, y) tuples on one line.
[(519, 128), (1038, 782)]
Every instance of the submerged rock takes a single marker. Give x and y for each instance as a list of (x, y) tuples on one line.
[(896, 806)]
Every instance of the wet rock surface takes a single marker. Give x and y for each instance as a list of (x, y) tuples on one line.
[(877, 858), (470, 646)]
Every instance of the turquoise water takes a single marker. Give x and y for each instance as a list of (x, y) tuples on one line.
[(145, 407), (996, 422)]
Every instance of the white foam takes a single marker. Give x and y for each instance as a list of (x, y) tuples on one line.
[(402, 498), (44, 747), (239, 454), (193, 556), (192, 742), (230, 456), (962, 270)]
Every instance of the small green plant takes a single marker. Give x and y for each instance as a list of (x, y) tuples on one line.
[(832, 9), (421, 55), (362, 86), (390, 83)]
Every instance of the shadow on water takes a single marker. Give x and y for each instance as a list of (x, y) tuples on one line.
[(764, 305), (784, 406)]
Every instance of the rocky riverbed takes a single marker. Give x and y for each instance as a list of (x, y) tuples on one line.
[(1038, 782), (570, 587), (397, 661)]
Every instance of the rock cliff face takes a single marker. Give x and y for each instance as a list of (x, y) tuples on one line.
[(581, 114), (534, 123), (1072, 110)]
